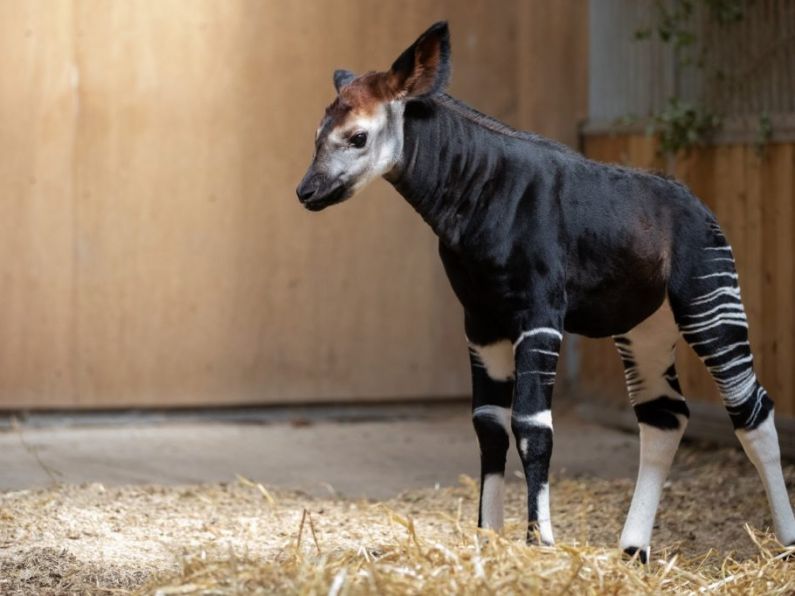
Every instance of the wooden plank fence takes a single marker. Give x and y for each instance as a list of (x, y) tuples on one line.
[(753, 198)]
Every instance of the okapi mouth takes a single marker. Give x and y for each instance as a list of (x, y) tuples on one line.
[(318, 203)]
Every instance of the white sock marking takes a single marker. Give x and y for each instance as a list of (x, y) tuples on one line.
[(657, 449), (761, 445), (543, 515), (492, 501)]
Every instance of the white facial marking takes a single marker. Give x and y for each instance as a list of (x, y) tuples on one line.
[(356, 167), (497, 358)]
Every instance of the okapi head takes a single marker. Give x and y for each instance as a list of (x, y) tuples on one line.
[(361, 134)]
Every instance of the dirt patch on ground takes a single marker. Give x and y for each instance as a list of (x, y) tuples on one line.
[(242, 537)]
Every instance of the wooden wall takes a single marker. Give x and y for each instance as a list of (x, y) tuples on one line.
[(152, 251), (753, 198)]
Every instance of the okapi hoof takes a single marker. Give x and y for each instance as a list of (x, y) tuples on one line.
[(534, 538), (536, 542), (643, 554)]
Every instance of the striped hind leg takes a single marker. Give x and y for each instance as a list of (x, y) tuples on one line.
[(711, 318), (647, 352)]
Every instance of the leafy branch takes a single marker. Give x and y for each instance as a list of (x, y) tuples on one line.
[(681, 125)]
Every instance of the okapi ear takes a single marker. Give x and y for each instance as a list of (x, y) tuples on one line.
[(424, 68), (342, 77)]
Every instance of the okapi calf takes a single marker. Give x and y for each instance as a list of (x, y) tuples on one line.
[(536, 239)]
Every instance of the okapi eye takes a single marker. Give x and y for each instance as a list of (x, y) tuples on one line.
[(358, 140)]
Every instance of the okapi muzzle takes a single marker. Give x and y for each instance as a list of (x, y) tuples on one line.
[(537, 240), (316, 191)]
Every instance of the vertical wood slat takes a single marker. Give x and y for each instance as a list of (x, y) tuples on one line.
[(753, 201), (780, 172)]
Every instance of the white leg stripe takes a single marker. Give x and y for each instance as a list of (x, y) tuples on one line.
[(701, 343), (545, 352), (731, 364), (541, 419), (721, 274), (537, 331), (537, 372), (707, 325), (730, 306), (710, 296), (737, 389), (501, 416), (725, 350)]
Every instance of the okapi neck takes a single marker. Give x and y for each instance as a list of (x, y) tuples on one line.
[(446, 169)]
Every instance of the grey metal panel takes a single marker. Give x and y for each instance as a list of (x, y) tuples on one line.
[(627, 77), (632, 78)]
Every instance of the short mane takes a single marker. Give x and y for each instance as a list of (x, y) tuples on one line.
[(494, 125)]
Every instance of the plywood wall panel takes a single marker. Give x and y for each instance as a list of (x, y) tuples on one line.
[(552, 62), (37, 141), (154, 253)]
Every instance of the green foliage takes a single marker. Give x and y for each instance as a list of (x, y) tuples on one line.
[(727, 11), (681, 125), (763, 134)]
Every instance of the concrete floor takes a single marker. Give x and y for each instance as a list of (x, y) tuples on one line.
[(373, 452)]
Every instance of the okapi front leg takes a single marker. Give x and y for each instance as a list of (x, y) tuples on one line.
[(492, 393), (536, 356)]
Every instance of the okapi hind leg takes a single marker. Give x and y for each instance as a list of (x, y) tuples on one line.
[(647, 352), (705, 298), (492, 393)]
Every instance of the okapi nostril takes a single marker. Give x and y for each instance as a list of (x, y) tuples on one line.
[(304, 194)]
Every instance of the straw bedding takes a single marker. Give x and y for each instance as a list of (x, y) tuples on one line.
[(244, 538)]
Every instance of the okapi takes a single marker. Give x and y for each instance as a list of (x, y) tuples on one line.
[(536, 239)]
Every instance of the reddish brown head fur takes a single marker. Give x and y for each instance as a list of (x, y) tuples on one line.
[(421, 70)]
